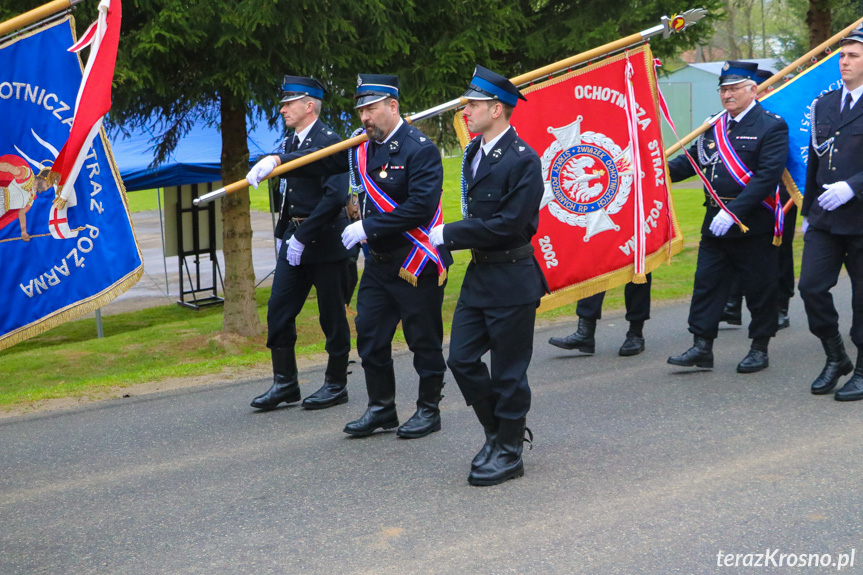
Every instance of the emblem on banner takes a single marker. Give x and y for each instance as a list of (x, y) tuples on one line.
[(588, 178)]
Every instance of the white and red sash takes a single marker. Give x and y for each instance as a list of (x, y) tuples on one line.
[(422, 251), (742, 174)]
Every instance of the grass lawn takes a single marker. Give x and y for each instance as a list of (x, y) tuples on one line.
[(171, 341)]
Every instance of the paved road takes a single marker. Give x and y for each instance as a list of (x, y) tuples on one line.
[(639, 467)]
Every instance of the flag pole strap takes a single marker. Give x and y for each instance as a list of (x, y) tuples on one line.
[(35, 15), (807, 57), (669, 25)]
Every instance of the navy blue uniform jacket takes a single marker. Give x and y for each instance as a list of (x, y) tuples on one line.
[(408, 168), (843, 163), (321, 201), (503, 212), (761, 143)]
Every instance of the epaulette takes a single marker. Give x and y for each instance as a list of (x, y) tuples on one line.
[(419, 136), (520, 146)]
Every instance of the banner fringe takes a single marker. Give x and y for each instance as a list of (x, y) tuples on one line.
[(409, 277), (73, 311), (639, 279), (792, 188), (573, 293)]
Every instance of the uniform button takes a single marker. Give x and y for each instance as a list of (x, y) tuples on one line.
[(834, 169), (292, 206), (837, 133), (290, 189), (835, 150)]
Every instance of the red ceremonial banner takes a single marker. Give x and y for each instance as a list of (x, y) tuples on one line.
[(600, 226)]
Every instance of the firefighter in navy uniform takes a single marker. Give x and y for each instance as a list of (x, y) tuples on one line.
[(833, 220), (732, 314), (405, 165), (589, 310), (501, 193), (311, 253), (759, 140)]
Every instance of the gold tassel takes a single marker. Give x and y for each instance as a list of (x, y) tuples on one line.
[(777, 240), (442, 277), (639, 279), (743, 228), (408, 277)]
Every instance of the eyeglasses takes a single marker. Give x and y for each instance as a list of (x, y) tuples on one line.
[(729, 89)]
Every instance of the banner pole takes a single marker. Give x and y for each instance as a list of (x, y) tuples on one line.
[(671, 25), (767, 83), (35, 15)]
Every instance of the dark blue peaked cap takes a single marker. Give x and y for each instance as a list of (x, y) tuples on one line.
[(856, 35), (487, 85), (736, 71), (296, 87), (373, 88), (761, 75)]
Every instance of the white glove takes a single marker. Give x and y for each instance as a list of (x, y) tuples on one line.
[(436, 235), (295, 251), (805, 225), (353, 234), (721, 223), (261, 170), (278, 247), (835, 195)]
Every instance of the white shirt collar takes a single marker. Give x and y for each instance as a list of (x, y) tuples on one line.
[(740, 116), (855, 95), (487, 147), (396, 129), (302, 135)]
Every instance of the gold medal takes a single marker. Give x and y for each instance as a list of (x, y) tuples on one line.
[(383, 174)]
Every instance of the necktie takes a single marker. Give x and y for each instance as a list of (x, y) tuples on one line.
[(731, 124), (295, 143), (475, 164), (849, 101)]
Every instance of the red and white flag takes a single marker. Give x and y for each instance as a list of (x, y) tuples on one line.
[(94, 96), (606, 218)]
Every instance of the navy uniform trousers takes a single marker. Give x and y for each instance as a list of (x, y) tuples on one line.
[(636, 298), (496, 309), (760, 140), (834, 237), (291, 287)]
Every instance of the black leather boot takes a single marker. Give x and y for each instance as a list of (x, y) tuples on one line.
[(756, 359), (426, 419), (582, 340), (381, 412), (285, 387), (335, 388), (504, 462), (699, 355), (783, 321), (733, 312), (484, 410), (838, 364), (853, 388), (634, 342)]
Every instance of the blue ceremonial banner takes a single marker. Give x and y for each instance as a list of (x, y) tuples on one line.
[(793, 101), (58, 263)]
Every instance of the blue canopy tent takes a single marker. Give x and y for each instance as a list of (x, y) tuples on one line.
[(196, 159)]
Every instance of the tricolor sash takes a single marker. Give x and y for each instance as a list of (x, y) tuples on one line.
[(742, 174), (422, 250)]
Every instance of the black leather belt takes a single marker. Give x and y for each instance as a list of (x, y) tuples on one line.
[(712, 203), (399, 254), (511, 255)]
